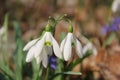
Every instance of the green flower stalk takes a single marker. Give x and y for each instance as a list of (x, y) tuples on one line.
[(70, 29), (48, 28)]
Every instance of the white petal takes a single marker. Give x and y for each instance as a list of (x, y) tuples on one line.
[(87, 47), (44, 58), (67, 48), (49, 50), (56, 48), (115, 6), (2, 31), (73, 38), (48, 37), (78, 48), (39, 46), (38, 59), (94, 51), (30, 44), (62, 45), (30, 54)]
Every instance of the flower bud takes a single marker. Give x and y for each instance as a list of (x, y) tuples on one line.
[(70, 29), (47, 28)]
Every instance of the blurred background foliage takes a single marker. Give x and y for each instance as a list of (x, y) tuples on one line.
[(27, 19)]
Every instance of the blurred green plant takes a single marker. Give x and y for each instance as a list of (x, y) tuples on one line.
[(4, 65), (6, 73)]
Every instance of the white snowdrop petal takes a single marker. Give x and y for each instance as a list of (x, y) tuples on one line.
[(94, 51), (87, 47), (67, 48), (2, 31), (48, 37), (62, 45), (49, 50), (38, 59), (30, 44), (30, 54), (73, 38), (115, 5), (44, 58), (56, 48), (40, 45), (78, 48)]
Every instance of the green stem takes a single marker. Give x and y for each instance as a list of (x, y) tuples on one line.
[(59, 62), (59, 69), (56, 21), (40, 72), (65, 73), (48, 73)]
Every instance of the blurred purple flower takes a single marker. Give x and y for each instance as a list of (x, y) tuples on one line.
[(116, 21), (53, 62), (114, 26), (105, 29)]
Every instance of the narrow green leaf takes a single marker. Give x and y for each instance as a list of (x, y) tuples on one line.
[(35, 70), (65, 73), (72, 73), (109, 39), (18, 52), (5, 25)]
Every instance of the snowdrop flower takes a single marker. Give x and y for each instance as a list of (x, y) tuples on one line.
[(67, 44), (89, 46), (116, 5), (41, 48)]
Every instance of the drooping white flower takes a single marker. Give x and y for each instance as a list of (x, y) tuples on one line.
[(116, 5), (41, 48), (67, 44), (89, 46)]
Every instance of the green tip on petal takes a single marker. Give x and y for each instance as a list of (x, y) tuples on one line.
[(47, 28), (47, 43), (70, 29), (73, 44)]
